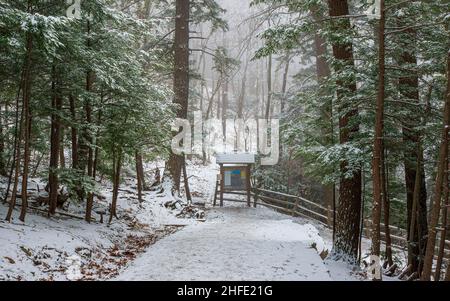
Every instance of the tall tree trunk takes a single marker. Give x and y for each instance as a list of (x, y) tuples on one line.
[(15, 166), (186, 182), (74, 133), (62, 158), (117, 168), (97, 149), (269, 87), (3, 164), (242, 95), (386, 210), (441, 253), (225, 109), (219, 99), (17, 135), (349, 210), (141, 172), (322, 72), (284, 83), (181, 84), (441, 169), (88, 135), (55, 140), (378, 149), (27, 124), (138, 175), (409, 89)]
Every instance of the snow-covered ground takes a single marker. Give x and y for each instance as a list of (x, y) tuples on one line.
[(239, 243), (45, 248), (149, 242)]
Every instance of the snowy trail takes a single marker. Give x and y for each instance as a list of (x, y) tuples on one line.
[(235, 243)]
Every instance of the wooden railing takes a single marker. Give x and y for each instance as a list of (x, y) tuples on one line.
[(299, 206)]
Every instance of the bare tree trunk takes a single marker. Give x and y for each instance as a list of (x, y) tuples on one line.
[(3, 164), (27, 124), (97, 149), (284, 84), (138, 177), (441, 169), (437, 274), (225, 109), (15, 166), (186, 182), (349, 210), (378, 152), (55, 140), (322, 72), (219, 99), (117, 158), (269, 88), (209, 111), (241, 100), (88, 136), (74, 133), (181, 84), (386, 210), (17, 140), (62, 158), (409, 88)]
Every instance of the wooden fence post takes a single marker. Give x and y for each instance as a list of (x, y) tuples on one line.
[(255, 197), (294, 209), (330, 217)]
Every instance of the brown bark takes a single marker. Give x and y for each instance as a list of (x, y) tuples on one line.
[(15, 166), (186, 182), (3, 171), (378, 149), (27, 125), (138, 161), (386, 211), (88, 136), (437, 274), (97, 149), (74, 133), (269, 87), (62, 158), (413, 155), (349, 211), (323, 71), (55, 140), (117, 167), (438, 189), (181, 83)]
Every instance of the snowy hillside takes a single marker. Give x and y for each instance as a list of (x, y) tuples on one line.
[(232, 243)]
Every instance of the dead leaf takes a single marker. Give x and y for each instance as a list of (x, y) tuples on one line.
[(26, 251), (10, 260)]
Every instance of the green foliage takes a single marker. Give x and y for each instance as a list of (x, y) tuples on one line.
[(74, 179), (417, 28)]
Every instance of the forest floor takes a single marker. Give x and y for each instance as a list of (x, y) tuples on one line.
[(149, 242)]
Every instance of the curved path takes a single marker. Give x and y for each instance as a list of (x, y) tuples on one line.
[(235, 244)]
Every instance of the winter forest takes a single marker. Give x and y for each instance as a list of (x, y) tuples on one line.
[(120, 122)]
